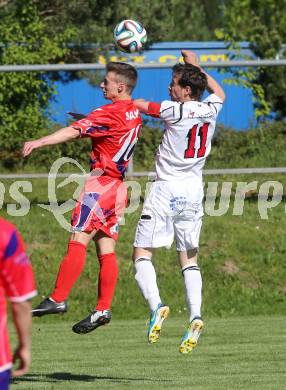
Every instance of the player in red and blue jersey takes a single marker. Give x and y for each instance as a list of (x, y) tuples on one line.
[(17, 284), (114, 129)]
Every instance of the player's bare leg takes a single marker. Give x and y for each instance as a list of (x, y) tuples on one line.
[(69, 271), (193, 287), (108, 274), (145, 276)]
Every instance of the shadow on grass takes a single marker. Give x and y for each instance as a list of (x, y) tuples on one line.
[(67, 376)]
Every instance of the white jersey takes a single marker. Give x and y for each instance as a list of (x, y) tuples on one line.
[(189, 128)]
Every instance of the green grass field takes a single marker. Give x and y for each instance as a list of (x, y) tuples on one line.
[(242, 258), (233, 353)]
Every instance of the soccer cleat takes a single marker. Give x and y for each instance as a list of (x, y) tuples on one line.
[(191, 336), (92, 321), (156, 320), (47, 306)]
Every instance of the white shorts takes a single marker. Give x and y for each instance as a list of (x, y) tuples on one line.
[(171, 210)]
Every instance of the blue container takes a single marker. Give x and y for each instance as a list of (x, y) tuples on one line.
[(238, 111)]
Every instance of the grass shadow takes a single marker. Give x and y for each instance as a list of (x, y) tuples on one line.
[(67, 376)]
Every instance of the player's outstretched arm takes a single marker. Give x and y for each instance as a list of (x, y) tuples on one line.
[(142, 105), (213, 86), (148, 108), (63, 135), (23, 323)]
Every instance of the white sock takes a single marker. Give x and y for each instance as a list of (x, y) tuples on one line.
[(193, 288), (145, 276)]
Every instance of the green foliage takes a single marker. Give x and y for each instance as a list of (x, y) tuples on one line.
[(262, 147), (258, 147), (164, 20), (247, 77), (24, 97), (263, 24), (94, 21)]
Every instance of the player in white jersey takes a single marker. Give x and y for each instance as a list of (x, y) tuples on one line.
[(173, 208)]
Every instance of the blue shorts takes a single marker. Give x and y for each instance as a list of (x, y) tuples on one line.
[(4, 379)]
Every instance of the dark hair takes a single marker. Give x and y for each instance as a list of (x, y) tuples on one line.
[(193, 77), (125, 72)]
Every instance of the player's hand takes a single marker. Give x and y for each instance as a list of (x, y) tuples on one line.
[(23, 356), (29, 147), (190, 57)]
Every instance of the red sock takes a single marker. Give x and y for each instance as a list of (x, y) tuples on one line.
[(107, 279), (69, 271)]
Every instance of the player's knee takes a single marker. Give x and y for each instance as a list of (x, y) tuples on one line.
[(141, 266), (141, 253)]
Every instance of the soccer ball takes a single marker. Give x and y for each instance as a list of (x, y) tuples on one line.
[(130, 36)]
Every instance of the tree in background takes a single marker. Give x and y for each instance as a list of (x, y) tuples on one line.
[(94, 21), (263, 24), (24, 97)]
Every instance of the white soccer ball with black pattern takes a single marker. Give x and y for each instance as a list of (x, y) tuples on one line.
[(130, 36)]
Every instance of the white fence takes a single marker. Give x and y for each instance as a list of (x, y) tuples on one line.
[(227, 171), (77, 67)]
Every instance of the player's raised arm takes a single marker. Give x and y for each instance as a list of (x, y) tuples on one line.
[(63, 135), (213, 86)]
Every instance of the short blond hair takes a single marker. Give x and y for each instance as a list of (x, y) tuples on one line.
[(125, 72)]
